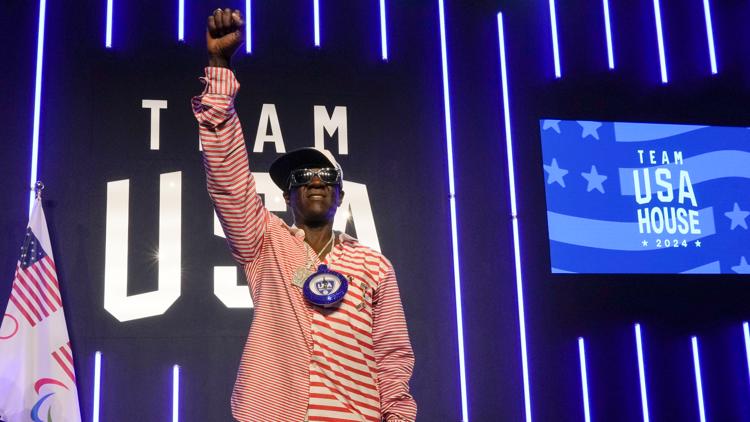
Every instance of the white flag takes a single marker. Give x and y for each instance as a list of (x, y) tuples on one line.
[(37, 379)]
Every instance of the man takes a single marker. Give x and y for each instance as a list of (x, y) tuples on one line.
[(328, 341)]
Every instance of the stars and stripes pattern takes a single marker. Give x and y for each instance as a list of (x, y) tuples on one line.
[(35, 291), (351, 363), (596, 223), (35, 350), (64, 357)]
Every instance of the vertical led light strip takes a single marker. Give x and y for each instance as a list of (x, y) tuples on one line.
[(316, 22), (383, 32), (514, 219), (710, 36), (454, 223), (746, 330), (555, 48), (175, 393), (584, 380), (37, 102), (97, 385), (698, 382), (660, 40), (249, 26), (108, 34), (181, 20), (608, 32), (641, 372)]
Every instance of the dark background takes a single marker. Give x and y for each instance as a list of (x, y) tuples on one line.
[(94, 130)]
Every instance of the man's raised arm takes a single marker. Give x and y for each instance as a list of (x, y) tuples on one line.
[(231, 185)]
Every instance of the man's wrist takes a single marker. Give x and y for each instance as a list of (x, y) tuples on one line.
[(218, 61)]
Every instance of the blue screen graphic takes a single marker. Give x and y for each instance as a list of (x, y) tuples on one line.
[(647, 197)]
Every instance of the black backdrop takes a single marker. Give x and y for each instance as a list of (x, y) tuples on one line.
[(94, 131)]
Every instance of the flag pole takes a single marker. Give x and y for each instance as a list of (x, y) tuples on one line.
[(38, 188)]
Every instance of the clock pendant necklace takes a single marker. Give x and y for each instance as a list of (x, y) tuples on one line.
[(325, 287)]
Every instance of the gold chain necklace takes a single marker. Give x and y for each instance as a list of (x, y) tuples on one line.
[(305, 271)]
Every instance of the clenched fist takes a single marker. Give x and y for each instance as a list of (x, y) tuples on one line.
[(225, 33)]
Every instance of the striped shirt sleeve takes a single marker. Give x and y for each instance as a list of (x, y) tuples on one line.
[(393, 353), (231, 185)]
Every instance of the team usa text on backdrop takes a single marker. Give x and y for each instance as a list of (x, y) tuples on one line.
[(355, 210)]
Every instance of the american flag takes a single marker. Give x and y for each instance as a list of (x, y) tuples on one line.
[(37, 376), (36, 292)]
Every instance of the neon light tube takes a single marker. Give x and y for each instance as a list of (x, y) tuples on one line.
[(584, 380), (249, 26), (555, 48), (97, 384), (175, 393), (181, 21), (383, 32), (108, 37), (641, 372), (514, 218), (316, 19), (698, 383), (37, 102), (746, 329), (454, 223), (660, 39), (710, 36), (608, 30)]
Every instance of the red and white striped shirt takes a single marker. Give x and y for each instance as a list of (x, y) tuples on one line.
[(300, 362)]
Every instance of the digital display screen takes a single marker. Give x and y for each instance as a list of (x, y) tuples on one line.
[(647, 197)]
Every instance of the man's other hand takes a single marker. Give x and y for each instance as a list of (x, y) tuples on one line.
[(225, 33)]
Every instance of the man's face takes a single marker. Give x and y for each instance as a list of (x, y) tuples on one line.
[(314, 203)]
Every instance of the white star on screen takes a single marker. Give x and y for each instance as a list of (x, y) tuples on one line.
[(737, 216), (589, 129), (742, 267), (594, 180), (551, 124), (556, 173)]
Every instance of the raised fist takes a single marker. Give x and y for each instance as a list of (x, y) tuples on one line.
[(225, 33)]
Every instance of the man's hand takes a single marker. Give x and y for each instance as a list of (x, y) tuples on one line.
[(225, 33)]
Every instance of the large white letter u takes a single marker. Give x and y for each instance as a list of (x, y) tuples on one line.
[(116, 299)]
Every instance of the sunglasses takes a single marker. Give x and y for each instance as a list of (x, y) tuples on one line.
[(302, 177)]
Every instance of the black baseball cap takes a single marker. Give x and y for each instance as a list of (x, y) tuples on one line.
[(298, 159)]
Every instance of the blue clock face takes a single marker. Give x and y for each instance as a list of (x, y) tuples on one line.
[(325, 288), (324, 284)]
